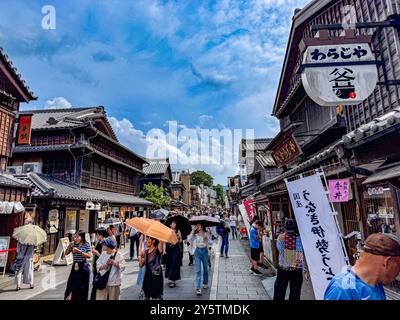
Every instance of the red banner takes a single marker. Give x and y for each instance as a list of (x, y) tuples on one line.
[(24, 129), (250, 209)]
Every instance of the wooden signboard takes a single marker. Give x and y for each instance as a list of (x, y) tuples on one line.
[(285, 150), (24, 129), (4, 246), (60, 258)]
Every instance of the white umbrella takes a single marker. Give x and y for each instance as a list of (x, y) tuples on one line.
[(30, 235)]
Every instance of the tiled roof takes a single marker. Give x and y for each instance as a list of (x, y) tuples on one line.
[(156, 166), (64, 118), (384, 174), (17, 76), (265, 159), (371, 128), (48, 186), (256, 144), (10, 181), (56, 147)]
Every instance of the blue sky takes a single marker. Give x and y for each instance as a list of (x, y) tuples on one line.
[(214, 64)]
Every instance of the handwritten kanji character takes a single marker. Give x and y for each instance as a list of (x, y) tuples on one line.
[(319, 231)]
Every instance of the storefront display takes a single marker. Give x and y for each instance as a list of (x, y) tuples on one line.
[(380, 210)]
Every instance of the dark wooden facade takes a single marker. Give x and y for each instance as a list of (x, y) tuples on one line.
[(13, 92), (87, 155)]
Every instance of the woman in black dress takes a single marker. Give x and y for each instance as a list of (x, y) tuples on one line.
[(153, 282), (174, 258)]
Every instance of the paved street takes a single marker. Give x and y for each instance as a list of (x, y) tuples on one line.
[(229, 279)]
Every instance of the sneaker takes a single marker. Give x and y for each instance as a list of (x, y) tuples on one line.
[(198, 292), (226, 257), (205, 286), (221, 255)]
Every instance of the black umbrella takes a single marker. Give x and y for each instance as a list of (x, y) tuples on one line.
[(182, 224), (158, 214), (205, 221)]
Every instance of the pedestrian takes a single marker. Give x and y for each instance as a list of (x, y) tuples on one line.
[(223, 231), (133, 242), (142, 270), (378, 265), (291, 263), (233, 224), (101, 235), (255, 247), (111, 261), (173, 258), (78, 281), (111, 230), (153, 282), (200, 240), (24, 273)]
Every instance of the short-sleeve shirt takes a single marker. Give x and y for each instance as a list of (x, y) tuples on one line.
[(348, 286), (254, 242), (85, 248)]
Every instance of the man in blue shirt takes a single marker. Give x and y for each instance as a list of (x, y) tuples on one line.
[(255, 247), (379, 265)]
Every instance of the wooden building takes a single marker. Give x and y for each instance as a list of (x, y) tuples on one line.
[(157, 172), (354, 142), (80, 172), (13, 92)]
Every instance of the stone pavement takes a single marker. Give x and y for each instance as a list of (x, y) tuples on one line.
[(229, 279), (235, 282)]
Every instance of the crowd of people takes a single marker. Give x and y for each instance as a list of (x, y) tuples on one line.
[(157, 260), (378, 265)]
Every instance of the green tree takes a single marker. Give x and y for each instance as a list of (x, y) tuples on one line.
[(200, 177), (155, 194), (220, 195)]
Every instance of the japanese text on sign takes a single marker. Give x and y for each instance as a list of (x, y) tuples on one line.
[(339, 190), (318, 231)]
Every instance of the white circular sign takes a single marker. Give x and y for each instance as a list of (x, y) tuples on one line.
[(332, 85)]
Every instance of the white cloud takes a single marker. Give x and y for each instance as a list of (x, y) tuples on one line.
[(58, 103)]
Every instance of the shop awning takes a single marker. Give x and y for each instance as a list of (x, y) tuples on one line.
[(384, 174), (11, 207)]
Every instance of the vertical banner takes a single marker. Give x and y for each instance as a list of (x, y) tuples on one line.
[(24, 129), (318, 231), (245, 217)]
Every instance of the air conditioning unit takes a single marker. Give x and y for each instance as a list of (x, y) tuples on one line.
[(32, 167), (14, 170)]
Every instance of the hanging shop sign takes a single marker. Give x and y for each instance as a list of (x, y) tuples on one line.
[(319, 233), (338, 70), (339, 190), (243, 174), (285, 149), (24, 129), (374, 191)]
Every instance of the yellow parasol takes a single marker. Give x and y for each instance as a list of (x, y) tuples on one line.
[(153, 229)]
